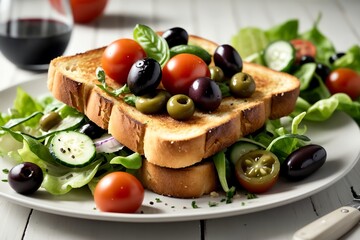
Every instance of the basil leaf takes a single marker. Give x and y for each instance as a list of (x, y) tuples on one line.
[(154, 45)]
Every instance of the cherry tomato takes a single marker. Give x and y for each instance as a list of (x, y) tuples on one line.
[(119, 192), (84, 11), (119, 56), (257, 171), (344, 80), (303, 48), (181, 71)]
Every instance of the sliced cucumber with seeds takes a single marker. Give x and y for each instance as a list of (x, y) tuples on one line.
[(72, 149), (279, 55), (240, 148)]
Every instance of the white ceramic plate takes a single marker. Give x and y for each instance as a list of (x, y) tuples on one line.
[(340, 136)]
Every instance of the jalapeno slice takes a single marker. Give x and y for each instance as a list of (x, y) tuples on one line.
[(257, 171)]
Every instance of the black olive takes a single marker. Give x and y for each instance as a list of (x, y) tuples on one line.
[(25, 178), (144, 76), (228, 59), (92, 130), (176, 36), (322, 71), (303, 162), (306, 59), (205, 93), (335, 57)]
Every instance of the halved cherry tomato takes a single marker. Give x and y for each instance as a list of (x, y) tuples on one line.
[(119, 192), (344, 80), (303, 48), (181, 71), (257, 171), (119, 56)]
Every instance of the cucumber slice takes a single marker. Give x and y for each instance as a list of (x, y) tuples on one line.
[(279, 55), (72, 149), (240, 148)]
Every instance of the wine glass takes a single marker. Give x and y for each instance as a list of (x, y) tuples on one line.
[(33, 32)]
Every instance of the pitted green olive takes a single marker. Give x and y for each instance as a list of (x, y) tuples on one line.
[(180, 107), (216, 74), (153, 102), (49, 120), (242, 85)]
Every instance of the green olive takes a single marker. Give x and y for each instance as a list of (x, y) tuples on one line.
[(153, 102), (180, 107), (216, 74), (242, 85), (49, 120)]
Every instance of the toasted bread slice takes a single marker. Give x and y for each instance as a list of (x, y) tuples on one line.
[(189, 182), (162, 140)]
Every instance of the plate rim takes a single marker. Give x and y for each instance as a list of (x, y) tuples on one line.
[(195, 214)]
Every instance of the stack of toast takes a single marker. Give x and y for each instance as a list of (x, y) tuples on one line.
[(176, 153)]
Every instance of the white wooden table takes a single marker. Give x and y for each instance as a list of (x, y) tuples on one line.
[(216, 20)]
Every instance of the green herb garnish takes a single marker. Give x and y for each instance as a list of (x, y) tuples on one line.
[(154, 45), (194, 205), (101, 76)]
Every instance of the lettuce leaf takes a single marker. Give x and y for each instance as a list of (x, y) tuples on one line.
[(350, 60), (324, 47), (283, 136), (58, 179), (250, 42), (325, 108), (287, 31)]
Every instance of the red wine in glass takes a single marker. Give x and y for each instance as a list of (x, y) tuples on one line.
[(31, 43)]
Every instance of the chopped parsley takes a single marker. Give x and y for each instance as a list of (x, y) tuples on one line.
[(251, 195), (213, 204), (194, 205)]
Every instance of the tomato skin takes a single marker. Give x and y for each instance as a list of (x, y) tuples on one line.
[(255, 181), (119, 192), (85, 11), (344, 80), (118, 58), (181, 71), (303, 48)]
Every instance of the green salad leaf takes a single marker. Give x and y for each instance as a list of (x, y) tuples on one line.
[(287, 31), (250, 42), (154, 45), (351, 59), (22, 140), (324, 47), (315, 98)]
